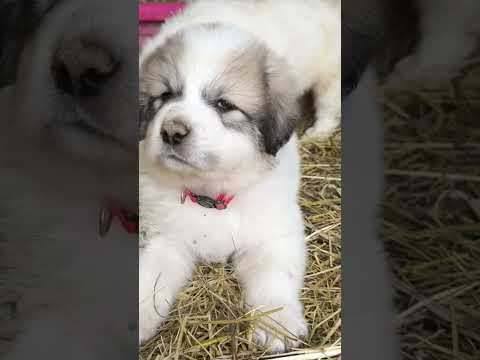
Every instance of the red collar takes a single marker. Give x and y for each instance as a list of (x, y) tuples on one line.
[(220, 202), (111, 210)]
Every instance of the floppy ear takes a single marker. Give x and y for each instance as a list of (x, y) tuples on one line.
[(283, 111), (145, 115)]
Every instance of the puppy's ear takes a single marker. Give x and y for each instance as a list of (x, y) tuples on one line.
[(145, 115), (283, 104), (11, 38), (18, 18)]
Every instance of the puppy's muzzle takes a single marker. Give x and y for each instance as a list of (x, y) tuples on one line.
[(81, 68), (174, 131)]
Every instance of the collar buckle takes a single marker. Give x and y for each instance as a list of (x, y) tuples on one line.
[(220, 203), (110, 210)]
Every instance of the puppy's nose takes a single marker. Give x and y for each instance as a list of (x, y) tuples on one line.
[(174, 131), (82, 68)]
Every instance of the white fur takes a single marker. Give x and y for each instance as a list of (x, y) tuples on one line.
[(262, 227), (306, 34)]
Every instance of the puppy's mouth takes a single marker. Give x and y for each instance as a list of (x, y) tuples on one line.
[(91, 131), (175, 158)]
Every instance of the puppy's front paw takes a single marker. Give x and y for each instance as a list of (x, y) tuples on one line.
[(410, 73), (404, 74), (151, 316), (147, 329), (322, 129), (317, 133), (282, 330)]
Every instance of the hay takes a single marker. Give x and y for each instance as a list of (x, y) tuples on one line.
[(431, 216), (209, 320)]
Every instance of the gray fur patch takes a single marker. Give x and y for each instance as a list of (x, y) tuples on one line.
[(159, 75), (258, 83)]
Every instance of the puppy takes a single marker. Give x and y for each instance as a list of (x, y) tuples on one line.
[(219, 164), (69, 142), (305, 34)]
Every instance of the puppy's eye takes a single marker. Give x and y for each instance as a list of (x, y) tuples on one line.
[(224, 106), (158, 101), (167, 95)]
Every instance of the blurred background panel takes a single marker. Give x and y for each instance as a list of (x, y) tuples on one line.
[(68, 163), (426, 98)]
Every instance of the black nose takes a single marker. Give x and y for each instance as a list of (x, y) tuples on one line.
[(82, 68), (174, 131)]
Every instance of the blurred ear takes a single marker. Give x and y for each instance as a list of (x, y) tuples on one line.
[(18, 18), (283, 105), (363, 36), (11, 37)]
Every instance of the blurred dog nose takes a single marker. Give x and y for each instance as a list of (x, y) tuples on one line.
[(174, 131), (82, 68)]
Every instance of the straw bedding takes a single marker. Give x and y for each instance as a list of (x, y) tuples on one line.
[(431, 216)]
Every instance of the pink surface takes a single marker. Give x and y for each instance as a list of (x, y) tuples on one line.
[(154, 12), (151, 16)]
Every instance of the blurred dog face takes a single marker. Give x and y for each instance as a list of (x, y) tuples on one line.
[(214, 101), (76, 83)]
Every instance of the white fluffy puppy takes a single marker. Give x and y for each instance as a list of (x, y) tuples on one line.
[(218, 91), (306, 34)]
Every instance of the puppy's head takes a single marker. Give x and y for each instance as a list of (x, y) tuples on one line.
[(76, 82), (214, 101)]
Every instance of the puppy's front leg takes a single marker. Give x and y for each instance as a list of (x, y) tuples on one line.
[(327, 96), (272, 276), (163, 270)]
